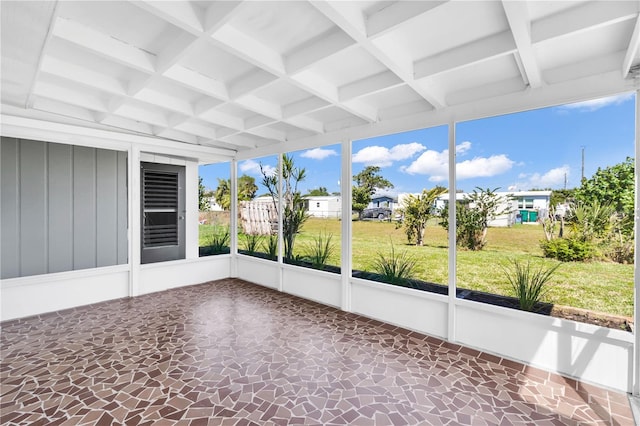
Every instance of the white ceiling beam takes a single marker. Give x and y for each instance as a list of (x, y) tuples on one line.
[(53, 10), (125, 123), (104, 45), (174, 52), (319, 87), (206, 104), (139, 113), (304, 106), (254, 52), (317, 49), (85, 76), (477, 51), (165, 101), (198, 82), (487, 91), (268, 133), (394, 15), (64, 109), (590, 67), (177, 135), (632, 49), (520, 24), (306, 123), (58, 93), (369, 85), (258, 121), (243, 140), (588, 16), (220, 13), (222, 119), (182, 14), (197, 129), (250, 82), (250, 49), (260, 106), (348, 17)]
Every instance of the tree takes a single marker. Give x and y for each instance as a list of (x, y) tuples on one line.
[(473, 216), (247, 189), (367, 182), (612, 185), (562, 196), (418, 209), (318, 192), (590, 221), (294, 214), (203, 196)]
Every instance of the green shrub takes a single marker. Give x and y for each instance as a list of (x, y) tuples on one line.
[(252, 242), (568, 249), (319, 251), (620, 251), (218, 242), (398, 268), (528, 283), (271, 247)]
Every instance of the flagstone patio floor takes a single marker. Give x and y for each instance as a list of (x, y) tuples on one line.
[(234, 353)]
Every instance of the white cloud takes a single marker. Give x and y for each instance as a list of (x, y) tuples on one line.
[(463, 147), (552, 178), (318, 153), (253, 167), (436, 165), (595, 104), (383, 157), (432, 163), (483, 167)]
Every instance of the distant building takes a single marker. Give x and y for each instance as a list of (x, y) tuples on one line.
[(521, 206), (324, 206), (383, 201)]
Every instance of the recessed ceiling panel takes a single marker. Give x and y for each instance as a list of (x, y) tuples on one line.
[(122, 21), (498, 69), (348, 66), (213, 62), (584, 45), (281, 25), (445, 27)]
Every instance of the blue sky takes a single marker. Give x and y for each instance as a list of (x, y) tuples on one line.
[(532, 149)]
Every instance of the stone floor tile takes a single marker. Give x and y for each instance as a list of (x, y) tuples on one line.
[(233, 353)]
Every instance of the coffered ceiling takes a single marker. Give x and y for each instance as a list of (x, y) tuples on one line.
[(258, 74)]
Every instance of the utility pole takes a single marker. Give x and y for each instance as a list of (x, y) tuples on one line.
[(565, 181), (582, 177)]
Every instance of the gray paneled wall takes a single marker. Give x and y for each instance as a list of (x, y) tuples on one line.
[(63, 207)]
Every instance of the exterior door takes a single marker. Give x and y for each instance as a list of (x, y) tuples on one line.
[(163, 212)]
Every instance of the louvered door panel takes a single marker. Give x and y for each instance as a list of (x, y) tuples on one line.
[(160, 204), (162, 212)]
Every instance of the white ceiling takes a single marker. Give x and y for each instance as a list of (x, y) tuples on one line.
[(250, 76)]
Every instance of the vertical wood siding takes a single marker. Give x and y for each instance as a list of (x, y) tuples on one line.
[(63, 207)]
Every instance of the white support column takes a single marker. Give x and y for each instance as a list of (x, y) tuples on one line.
[(346, 243), (191, 212), (451, 326), (636, 270), (280, 221), (233, 225), (134, 220)]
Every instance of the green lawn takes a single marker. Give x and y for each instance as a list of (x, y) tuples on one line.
[(598, 286)]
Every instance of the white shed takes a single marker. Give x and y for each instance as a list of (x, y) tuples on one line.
[(324, 206)]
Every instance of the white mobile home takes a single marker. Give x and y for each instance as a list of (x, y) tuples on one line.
[(518, 207), (324, 206)]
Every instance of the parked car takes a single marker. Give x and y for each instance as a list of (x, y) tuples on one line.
[(382, 213)]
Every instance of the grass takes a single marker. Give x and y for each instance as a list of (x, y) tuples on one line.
[(597, 286)]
